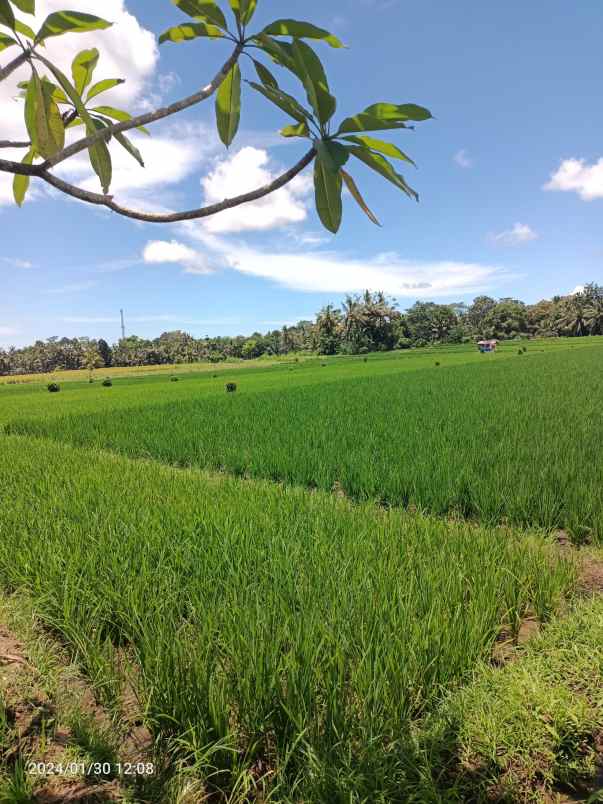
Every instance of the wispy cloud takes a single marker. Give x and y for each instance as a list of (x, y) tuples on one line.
[(162, 252), (463, 159), (73, 287), (520, 233), (17, 263), (8, 332), (576, 176)]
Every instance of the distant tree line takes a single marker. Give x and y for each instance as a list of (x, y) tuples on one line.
[(365, 323)]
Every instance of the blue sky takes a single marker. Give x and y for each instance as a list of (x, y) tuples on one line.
[(515, 89)]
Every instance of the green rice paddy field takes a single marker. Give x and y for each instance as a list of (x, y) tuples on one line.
[(286, 640)]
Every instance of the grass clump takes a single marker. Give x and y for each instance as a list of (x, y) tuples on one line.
[(107, 382), (53, 387), (518, 732), (231, 387)]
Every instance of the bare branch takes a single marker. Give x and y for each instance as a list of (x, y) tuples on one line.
[(10, 144), (14, 64), (149, 117), (149, 217)]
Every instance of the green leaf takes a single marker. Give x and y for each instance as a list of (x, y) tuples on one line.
[(357, 196), (82, 69), (367, 122), (300, 130), (301, 30), (310, 71), (204, 10), (100, 157), (21, 183), (130, 147), (22, 28), (118, 114), (6, 41), (275, 50), (380, 165), (190, 30), (26, 6), (228, 106), (265, 76), (333, 155), (103, 86), (386, 148), (43, 118), (327, 189), (7, 16), (62, 22), (392, 111), (247, 10), (57, 93), (286, 102)]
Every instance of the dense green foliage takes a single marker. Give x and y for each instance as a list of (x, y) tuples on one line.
[(368, 323), (267, 627), (515, 732), (499, 439)]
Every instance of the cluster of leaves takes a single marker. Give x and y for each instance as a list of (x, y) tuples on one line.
[(283, 41), (54, 104)]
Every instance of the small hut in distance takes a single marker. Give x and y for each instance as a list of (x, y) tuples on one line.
[(487, 346)]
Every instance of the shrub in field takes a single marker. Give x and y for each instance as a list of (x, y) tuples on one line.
[(174, 379), (231, 387), (53, 387), (107, 383), (437, 362), (517, 732)]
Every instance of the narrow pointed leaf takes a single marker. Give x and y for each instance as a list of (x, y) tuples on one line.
[(103, 86), (380, 165), (265, 76), (367, 122), (43, 118), (357, 196), (6, 41), (385, 148), (248, 8), (7, 16), (327, 189), (284, 101), (310, 71), (26, 6), (299, 130), (82, 69), (130, 147), (190, 30), (301, 30), (21, 183), (119, 115), (100, 158), (228, 106), (400, 113), (333, 155), (276, 50), (22, 28), (62, 22), (204, 10)]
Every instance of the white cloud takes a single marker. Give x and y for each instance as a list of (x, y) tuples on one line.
[(8, 332), (520, 233), (322, 271), (575, 175), (163, 251), (244, 171), (127, 51), (463, 159), (17, 263), (577, 290)]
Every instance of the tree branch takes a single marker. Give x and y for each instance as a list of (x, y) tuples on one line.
[(149, 117), (14, 64), (10, 144), (149, 217)]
